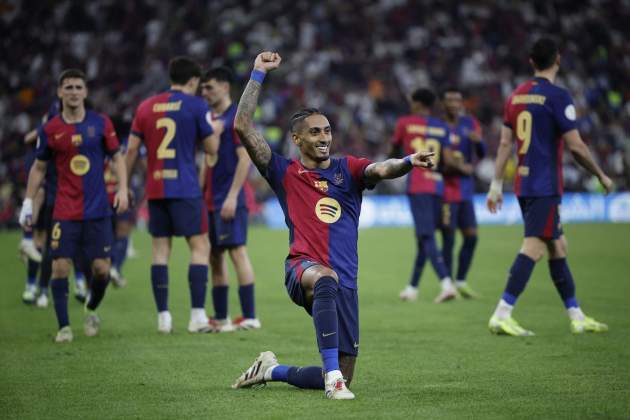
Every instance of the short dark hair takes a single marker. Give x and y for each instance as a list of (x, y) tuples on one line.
[(221, 74), (543, 53), (71, 74), (181, 69), (424, 96), (300, 116)]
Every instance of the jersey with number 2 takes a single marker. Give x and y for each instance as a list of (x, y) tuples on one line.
[(539, 113), (170, 124)]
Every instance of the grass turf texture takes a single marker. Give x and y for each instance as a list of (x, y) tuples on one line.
[(417, 359)]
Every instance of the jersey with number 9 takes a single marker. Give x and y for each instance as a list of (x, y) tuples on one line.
[(170, 124), (539, 113)]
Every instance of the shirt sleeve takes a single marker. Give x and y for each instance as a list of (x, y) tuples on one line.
[(564, 112), (109, 136), (42, 151), (275, 171), (204, 120), (357, 171)]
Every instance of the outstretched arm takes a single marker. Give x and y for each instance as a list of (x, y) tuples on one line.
[(394, 168), (254, 142)]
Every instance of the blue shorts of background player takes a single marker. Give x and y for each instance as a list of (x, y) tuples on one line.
[(177, 217), (91, 238), (426, 210), (347, 305), (541, 216), (459, 215), (226, 234)]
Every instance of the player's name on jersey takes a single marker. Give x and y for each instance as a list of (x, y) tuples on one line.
[(423, 129), (436, 176), (529, 99), (165, 174), (167, 106)]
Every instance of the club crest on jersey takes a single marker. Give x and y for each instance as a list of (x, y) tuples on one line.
[(338, 178), (76, 139), (91, 131), (80, 165), (328, 210), (321, 185)]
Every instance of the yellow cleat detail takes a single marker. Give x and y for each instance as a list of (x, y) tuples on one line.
[(588, 325), (507, 326)]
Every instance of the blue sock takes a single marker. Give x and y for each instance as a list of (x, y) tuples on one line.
[(31, 272), (563, 280), (435, 256), (27, 234), (308, 377), (46, 271), (97, 291), (325, 320), (281, 373), (246, 295), (198, 281), (418, 266), (60, 299), (448, 243), (159, 280), (519, 275), (465, 256), (220, 301), (119, 253)]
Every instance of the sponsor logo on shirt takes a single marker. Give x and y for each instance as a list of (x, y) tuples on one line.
[(80, 165), (328, 210)]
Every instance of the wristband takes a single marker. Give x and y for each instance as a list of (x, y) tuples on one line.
[(407, 160), (496, 186), (258, 76)]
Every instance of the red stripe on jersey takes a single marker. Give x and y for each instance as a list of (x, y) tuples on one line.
[(510, 117), (310, 235)]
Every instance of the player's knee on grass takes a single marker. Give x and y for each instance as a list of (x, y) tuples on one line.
[(534, 248), (61, 268), (100, 268), (346, 365)]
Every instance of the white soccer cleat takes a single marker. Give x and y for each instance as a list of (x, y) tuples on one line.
[(165, 322), (199, 326), (92, 324), (28, 249), (247, 323), (409, 293), (64, 335), (255, 374), (445, 295), (221, 325), (28, 296), (117, 279), (335, 387), (42, 301)]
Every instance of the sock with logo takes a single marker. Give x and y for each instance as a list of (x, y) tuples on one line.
[(563, 280), (198, 281), (159, 281), (325, 320), (308, 377)]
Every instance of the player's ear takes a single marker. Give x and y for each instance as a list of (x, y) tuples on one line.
[(296, 139)]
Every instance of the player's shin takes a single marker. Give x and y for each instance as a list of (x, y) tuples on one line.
[(198, 282), (159, 282), (326, 323), (563, 280), (519, 275), (59, 288)]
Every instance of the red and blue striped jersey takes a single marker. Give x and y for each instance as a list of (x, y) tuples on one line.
[(458, 188), (417, 133), (78, 152), (539, 113), (220, 170), (321, 208), (170, 124)]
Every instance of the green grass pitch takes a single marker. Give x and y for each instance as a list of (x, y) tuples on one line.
[(417, 360)]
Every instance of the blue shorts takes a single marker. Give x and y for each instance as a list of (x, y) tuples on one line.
[(426, 210), (541, 216), (228, 233), (177, 217), (44, 217), (87, 238), (459, 215), (347, 305)]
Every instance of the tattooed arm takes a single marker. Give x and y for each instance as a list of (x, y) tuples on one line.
[(394, 168), (254, 143)]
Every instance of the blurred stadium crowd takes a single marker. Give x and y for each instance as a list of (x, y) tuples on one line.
[(354, 59)]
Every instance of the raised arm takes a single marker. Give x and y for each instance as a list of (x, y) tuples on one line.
[(583, 156), (394, 168), (255, 144)]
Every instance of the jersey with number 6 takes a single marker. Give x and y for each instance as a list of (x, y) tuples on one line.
[(417, 133), (539, 113), (170, 124)]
